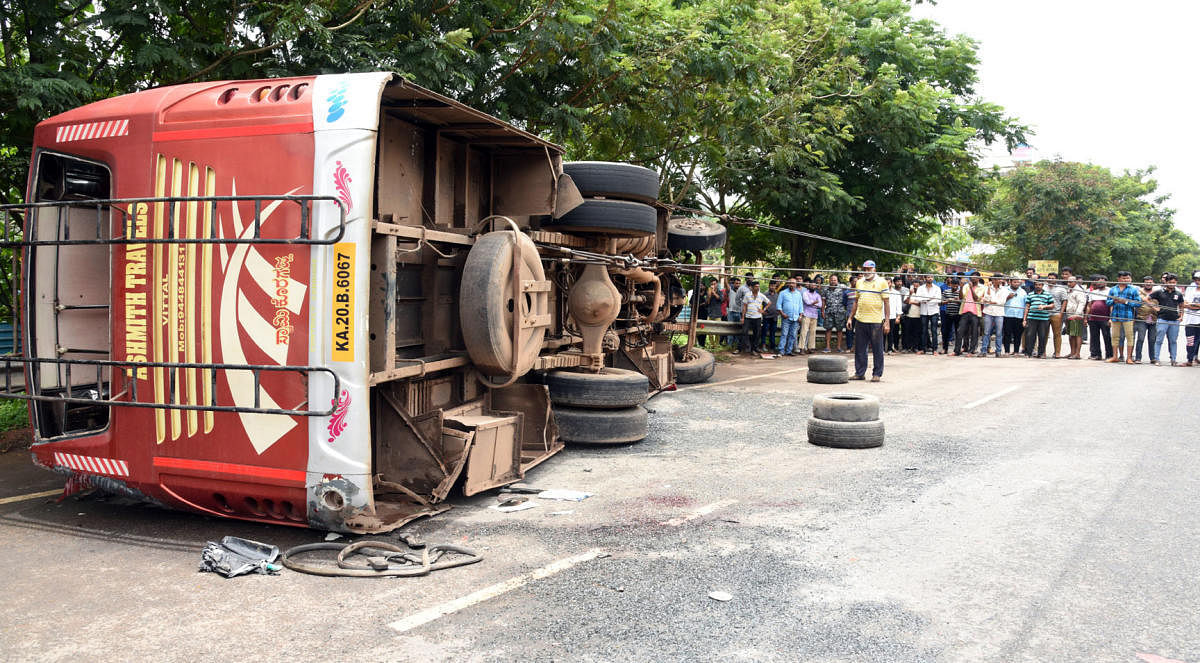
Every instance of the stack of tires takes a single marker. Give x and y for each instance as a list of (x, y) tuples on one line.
[(827, 370), (599, 408), (845, 421)]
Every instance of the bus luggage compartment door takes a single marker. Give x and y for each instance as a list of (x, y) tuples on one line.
[(494, 455)]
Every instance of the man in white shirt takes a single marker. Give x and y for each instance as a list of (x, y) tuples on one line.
[(1191, 318), (929, 296), (754, 304)]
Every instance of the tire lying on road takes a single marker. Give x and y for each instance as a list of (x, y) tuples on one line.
[(845, 407), (618, 218), (689, 234), (821, 363), (828, 377), (610, 388), (697, 366), (608, 179), (583, 426), (845, 434)]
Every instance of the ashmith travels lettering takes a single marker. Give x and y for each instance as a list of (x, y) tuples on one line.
[(135, 294)]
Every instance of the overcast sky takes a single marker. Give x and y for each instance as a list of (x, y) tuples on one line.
[(1111, 83)]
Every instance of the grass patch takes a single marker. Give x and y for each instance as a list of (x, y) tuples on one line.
[(14, 414)]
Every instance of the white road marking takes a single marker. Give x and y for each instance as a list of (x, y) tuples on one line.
[(994, 396), (702, 511), (750, 377), (437, 612), (31, 496)]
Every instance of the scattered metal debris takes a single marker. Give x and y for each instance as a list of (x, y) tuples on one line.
[(235, 556)]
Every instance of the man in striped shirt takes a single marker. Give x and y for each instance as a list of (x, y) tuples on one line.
[(1038, 306)]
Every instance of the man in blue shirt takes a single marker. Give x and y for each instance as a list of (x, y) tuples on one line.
[(790, 305), (1124, 299)]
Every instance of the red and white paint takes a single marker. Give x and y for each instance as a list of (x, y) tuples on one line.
[(92, 464), (90, 130)]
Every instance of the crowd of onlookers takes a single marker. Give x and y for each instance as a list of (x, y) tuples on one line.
[(963, 312)]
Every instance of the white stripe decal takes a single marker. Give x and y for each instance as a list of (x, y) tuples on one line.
[(90, 130), (92, 464)]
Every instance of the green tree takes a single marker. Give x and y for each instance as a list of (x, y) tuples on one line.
[(905, 156), (1084, 216)]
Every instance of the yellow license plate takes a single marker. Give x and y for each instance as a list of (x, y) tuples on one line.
[(342, 340)]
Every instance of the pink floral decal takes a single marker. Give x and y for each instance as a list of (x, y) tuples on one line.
[(341, 181), (337, 422)]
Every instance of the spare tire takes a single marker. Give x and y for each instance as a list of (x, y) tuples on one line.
[(845, 434), (845, 407), (609, 179), (820, 363), (486, 304), (618, 218), (584, 426), (610, 388), (690, 234), (828, 377), (696, 367)]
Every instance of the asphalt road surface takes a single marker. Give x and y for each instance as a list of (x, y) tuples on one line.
[(1020, 510)]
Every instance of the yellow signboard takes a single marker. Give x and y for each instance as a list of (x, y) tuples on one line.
[(1044, 267), (342, 312)]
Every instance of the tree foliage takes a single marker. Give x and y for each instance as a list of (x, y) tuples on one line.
[(906, 154), (1086, 217), (846, 118)]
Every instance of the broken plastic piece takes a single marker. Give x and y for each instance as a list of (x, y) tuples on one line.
[(567, 495)]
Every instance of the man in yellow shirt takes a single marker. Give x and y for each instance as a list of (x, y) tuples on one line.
[(870, 314)]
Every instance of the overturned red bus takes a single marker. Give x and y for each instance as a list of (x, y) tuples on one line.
[(326, 301)]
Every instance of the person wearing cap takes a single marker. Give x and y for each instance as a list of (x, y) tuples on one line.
[(870, 314), (1191, 318), (972, 294)]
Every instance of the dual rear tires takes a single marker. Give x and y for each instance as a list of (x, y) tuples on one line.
[(599, 408)]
